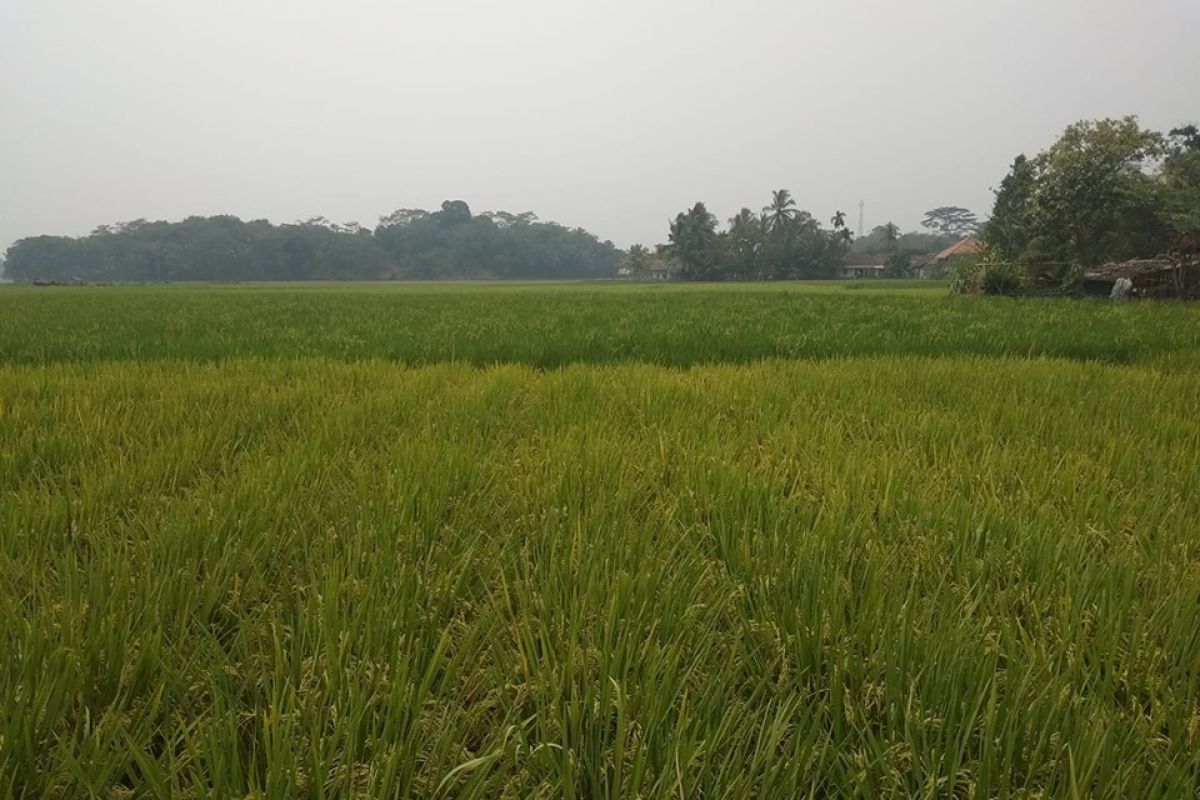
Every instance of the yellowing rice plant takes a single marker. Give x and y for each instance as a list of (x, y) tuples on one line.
[(897, 574)]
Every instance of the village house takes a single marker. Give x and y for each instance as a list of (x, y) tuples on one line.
[(860, 265), (939, 265), (919, 265), (662, 272)]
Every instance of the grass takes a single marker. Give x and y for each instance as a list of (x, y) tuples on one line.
[(294, 568), (549, 325)]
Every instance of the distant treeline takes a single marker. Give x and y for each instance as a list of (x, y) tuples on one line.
[(409, 243), (785, 242), (782, 241)]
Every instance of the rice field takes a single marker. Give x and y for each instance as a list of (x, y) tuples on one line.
[(592, 541), (551, 325)]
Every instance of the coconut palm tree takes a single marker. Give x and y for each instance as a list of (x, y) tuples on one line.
[(890, 234), (745, 241), (693, 241), (782, 209), (745, 225), (638, 261), (841, 234)]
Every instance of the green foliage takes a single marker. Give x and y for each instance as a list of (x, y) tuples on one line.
[(964, 278), (1105, 191), (694, 244), (1010, 228), (889, 235), (639, 261), (899, 264), (744, 243), (981, 275), (1180, 188), (409, 243), (1001, 278), (783, 242), (913, 241), (642, 263), (454, 244), (951, 221), (1184, 139), (454, 212), (245, 554), (549, 325)]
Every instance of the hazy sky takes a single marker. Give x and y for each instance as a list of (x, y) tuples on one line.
[(613, 115)]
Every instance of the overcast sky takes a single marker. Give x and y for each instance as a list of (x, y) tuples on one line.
[(612, 115)]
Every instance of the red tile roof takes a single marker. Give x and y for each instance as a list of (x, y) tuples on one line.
[(965, 247)]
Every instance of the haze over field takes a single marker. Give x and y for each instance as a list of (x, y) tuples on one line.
[(611, 116), (501, 400)]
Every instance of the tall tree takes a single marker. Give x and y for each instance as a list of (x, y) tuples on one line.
[(889, 234), (951, 221), (638, 260), (781, 211), (744, 243), (1092, 180), (1185, 138), (693, 243), (1088, 198), (841, 233), (454, 212), (1010, 228), (780, 251), (1180, 181)]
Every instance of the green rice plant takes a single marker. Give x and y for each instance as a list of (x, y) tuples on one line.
[(250, 560), (551, 325)]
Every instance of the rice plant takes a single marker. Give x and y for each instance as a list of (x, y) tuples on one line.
[(550, 325), (267, 559)]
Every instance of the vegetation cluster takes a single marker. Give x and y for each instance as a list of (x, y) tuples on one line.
[(451, 243), (768, 540), (1106, 191)]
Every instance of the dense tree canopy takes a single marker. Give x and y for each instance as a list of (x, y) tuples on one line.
[(1181, 180), (1107, 190), (876, 242), (782, 241), (694, 243), (951, 221), (408, 243)]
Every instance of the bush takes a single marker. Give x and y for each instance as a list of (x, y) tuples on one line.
[(980, 277), (964, 278), (1052, 276), (999, 279)]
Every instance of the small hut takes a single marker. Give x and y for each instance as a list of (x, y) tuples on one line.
[(859, 265), (1162, 276)]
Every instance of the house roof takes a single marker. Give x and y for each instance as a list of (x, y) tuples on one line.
[(862, 260), (922, 260), (963, 247)]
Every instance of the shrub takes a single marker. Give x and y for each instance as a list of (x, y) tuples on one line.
[(964, 277), (999, 278)]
